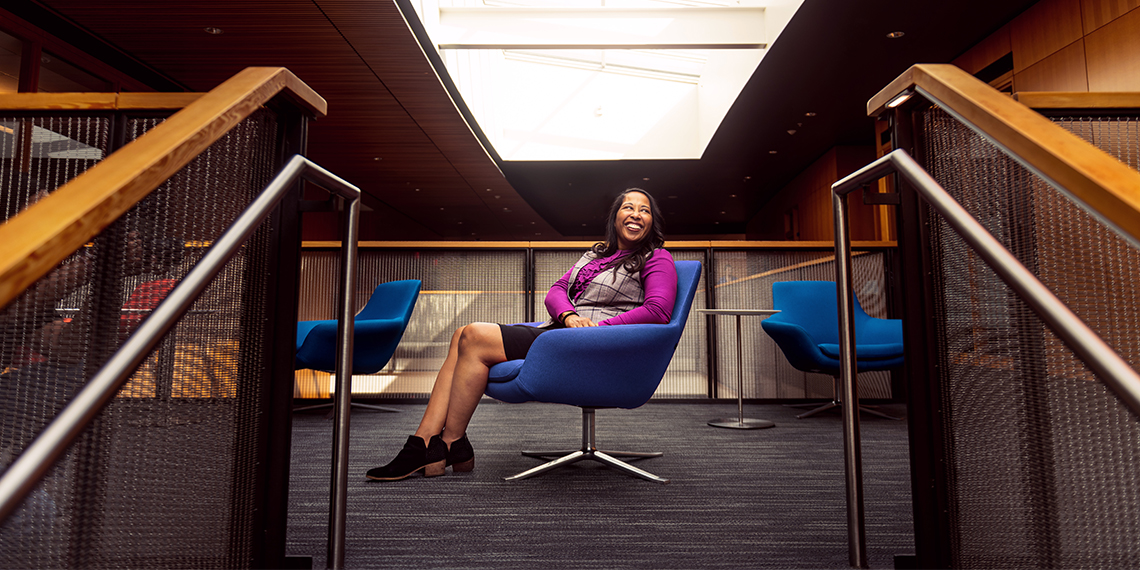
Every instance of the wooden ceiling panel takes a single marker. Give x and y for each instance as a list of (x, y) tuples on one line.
[(385, 101), (351, 52)]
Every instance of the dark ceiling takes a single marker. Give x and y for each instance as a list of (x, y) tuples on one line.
[(394, 131)]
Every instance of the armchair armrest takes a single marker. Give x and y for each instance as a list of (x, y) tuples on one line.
[(798, 346)]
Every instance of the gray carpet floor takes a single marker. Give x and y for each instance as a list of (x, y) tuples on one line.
[(769, 498)]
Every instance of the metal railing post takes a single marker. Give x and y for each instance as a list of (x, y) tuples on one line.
[(346, 313), (849, 393)]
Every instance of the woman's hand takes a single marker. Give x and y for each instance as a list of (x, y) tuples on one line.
[(574, 321)]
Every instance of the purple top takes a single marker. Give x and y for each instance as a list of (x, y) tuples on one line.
[(659, 277)]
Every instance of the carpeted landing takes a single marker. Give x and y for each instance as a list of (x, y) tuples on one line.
[(769, 498)]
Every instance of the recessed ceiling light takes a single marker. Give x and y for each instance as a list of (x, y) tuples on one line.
[(645, 179), (896, 35), (213, 31)]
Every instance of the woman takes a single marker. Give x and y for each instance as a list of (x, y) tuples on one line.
[(627, 279)]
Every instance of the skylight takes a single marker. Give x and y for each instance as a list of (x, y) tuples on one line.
[(601, 79)]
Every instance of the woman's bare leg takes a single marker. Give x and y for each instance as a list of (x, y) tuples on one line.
[(458, 388), (435, 415), (474, 349), (480, 348)]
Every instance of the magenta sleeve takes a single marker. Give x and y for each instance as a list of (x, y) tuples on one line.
[(558, 297), (659, 277)]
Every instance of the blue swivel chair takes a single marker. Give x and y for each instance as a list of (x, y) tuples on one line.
[(377, 330), (596, 367), (807, 331)]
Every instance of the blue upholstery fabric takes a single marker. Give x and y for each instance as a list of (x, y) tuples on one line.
[(378, 328), (807, 330), (605, 367)]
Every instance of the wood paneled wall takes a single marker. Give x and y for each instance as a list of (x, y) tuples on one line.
[(1056, 45), (806, 202), (1067, 45)]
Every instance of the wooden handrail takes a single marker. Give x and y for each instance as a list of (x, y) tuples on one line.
[(582, 245), (95, 101), (1077, 100), (37, 239), (1103, 183)]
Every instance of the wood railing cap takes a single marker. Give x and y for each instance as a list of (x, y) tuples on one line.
[(1099, 181), (1078, 100), (47, 232), (582, 245)]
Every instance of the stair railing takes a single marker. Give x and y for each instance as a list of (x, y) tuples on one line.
[(1100, 184)]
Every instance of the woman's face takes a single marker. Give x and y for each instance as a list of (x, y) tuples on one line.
[(634, 220)]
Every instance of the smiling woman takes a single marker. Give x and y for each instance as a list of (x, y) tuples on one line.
[(626, 279)]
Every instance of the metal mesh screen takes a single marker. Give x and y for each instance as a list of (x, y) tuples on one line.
[(41, 153), (1041, 457), (459, 287), (164, 478)]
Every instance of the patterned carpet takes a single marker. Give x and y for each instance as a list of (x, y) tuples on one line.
[(770, 498)]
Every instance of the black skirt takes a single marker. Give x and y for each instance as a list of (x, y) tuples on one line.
[(518, 338)]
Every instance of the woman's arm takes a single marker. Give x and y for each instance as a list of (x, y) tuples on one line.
[(558, 297), (659, 277)]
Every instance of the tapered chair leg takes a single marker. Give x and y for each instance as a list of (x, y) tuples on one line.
[(352, 404), (835, 403), (589, 451)]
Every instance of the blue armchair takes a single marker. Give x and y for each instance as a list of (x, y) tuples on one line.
[(807, 331), (596, 367), (377, 330)]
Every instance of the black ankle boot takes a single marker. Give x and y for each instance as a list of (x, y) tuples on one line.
[(414, 457), (461, 456)]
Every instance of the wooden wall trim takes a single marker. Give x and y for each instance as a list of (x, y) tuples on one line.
[(37, 239), (96, 101), (1097, 179), (1077, 100), (580, 245)]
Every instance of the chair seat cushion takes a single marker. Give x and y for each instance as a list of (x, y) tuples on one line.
[(866, 351), (505, 371)]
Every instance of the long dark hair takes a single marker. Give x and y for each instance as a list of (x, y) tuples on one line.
[(635, 261)]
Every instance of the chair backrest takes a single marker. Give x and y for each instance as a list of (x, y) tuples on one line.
[(392, 300), (812, 305), (688, 276), (807, 329), (378, 328)]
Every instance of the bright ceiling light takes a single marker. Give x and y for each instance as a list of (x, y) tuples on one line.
[(601, 80)]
